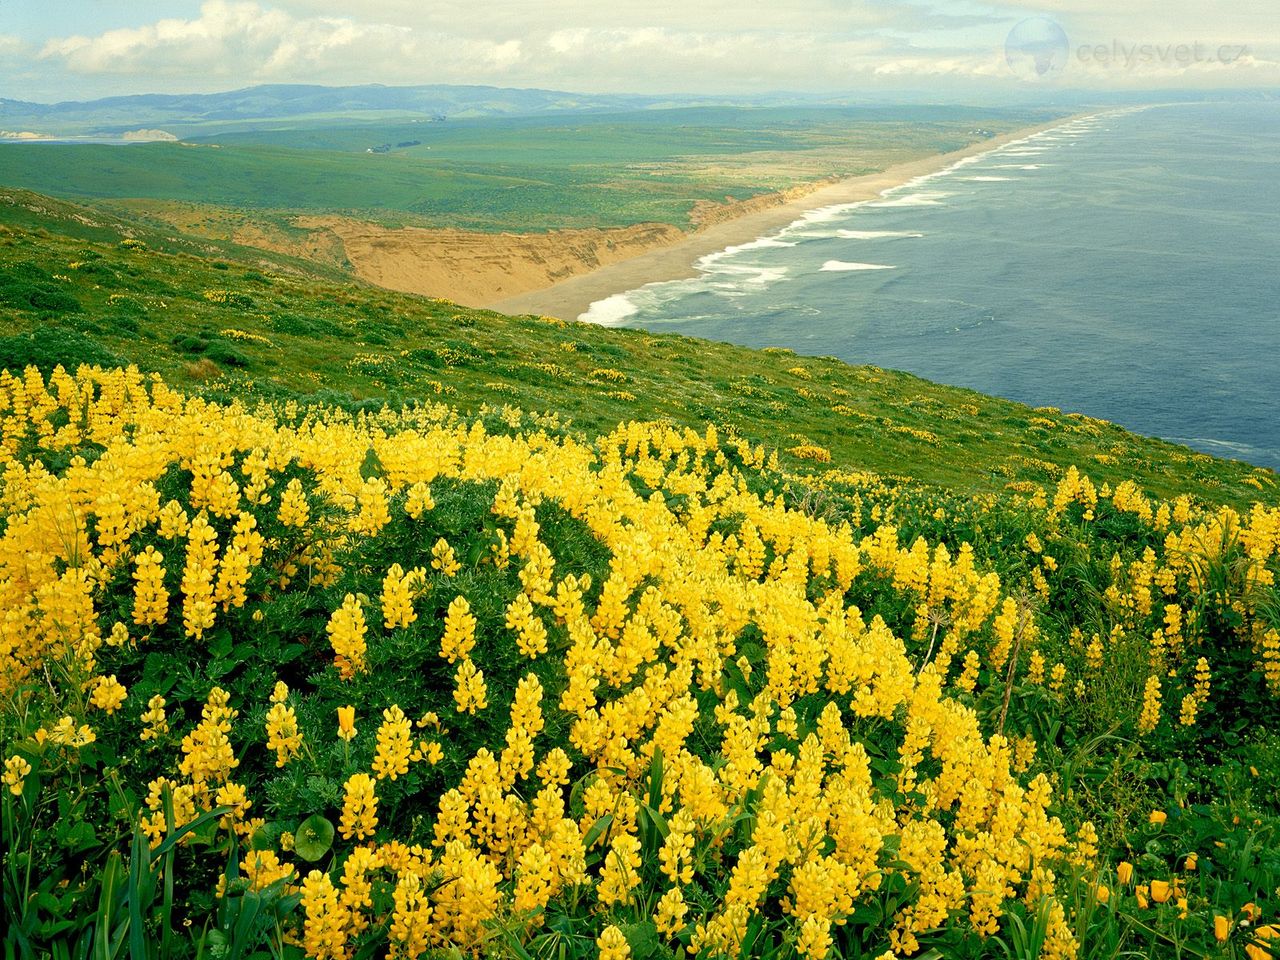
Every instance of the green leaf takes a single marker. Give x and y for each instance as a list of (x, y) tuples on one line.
[(597, 828), (79, 837), (372, 466), (221, 643), (313, 838)]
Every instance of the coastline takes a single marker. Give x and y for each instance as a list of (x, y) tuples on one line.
[(570, 298)]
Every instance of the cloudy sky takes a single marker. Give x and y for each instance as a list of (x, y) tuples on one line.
[(83, 49)]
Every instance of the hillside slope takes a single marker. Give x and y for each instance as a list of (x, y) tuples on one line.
[(233, 329)]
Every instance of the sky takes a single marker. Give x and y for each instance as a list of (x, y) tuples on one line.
[(53, 50)]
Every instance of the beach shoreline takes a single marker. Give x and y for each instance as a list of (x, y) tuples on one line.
[(570, 298)]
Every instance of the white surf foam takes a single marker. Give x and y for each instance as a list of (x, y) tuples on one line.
[(735, 278), (731, 278), (873, 234), (924, 198), (844, 265), (611, 311), (989, 179)]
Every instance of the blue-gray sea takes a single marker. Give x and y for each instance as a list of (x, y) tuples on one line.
[(1125, 265)]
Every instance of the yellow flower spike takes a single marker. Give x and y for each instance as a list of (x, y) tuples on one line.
[(613, 945), (16, 770), (154, 717), (346, 631), (283, 735), (395, 744), (459, 631), (443, 559), (108, 694), (470, 690), (670, 913), (398, 590), (359, 808)]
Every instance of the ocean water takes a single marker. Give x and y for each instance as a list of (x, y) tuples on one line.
[(1125, 265)]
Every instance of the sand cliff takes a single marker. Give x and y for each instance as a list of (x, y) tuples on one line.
[(477, 269)]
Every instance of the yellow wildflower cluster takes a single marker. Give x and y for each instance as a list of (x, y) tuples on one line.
[(711, 672), (810, 451), (231, 333)]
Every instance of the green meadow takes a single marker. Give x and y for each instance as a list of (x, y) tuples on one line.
[(524, 174)]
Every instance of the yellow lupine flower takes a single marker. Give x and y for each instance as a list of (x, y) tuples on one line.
[(16, 769), (670, 913), (612, 944), (154, 719), (1150, 705), (443, 559), (108, 694), (346, 631), (198, 611), (459, 631), (283, 735), (359, 807), (294, 510), (398, 589), (325, 928), (470, 691), (150, 597), (419, 500), (395, 744)]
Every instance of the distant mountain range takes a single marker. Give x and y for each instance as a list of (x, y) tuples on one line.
[(189, 113), (308, 104)]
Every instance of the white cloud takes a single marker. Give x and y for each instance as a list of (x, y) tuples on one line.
[(643, 45), (11, 46), (233, 39)]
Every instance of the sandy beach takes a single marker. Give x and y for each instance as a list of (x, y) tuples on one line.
[(570, 298)]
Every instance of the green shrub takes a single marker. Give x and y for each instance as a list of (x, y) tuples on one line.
[(189, 344), (297, 326), (226, 354), (27, 287), (46, 347)]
